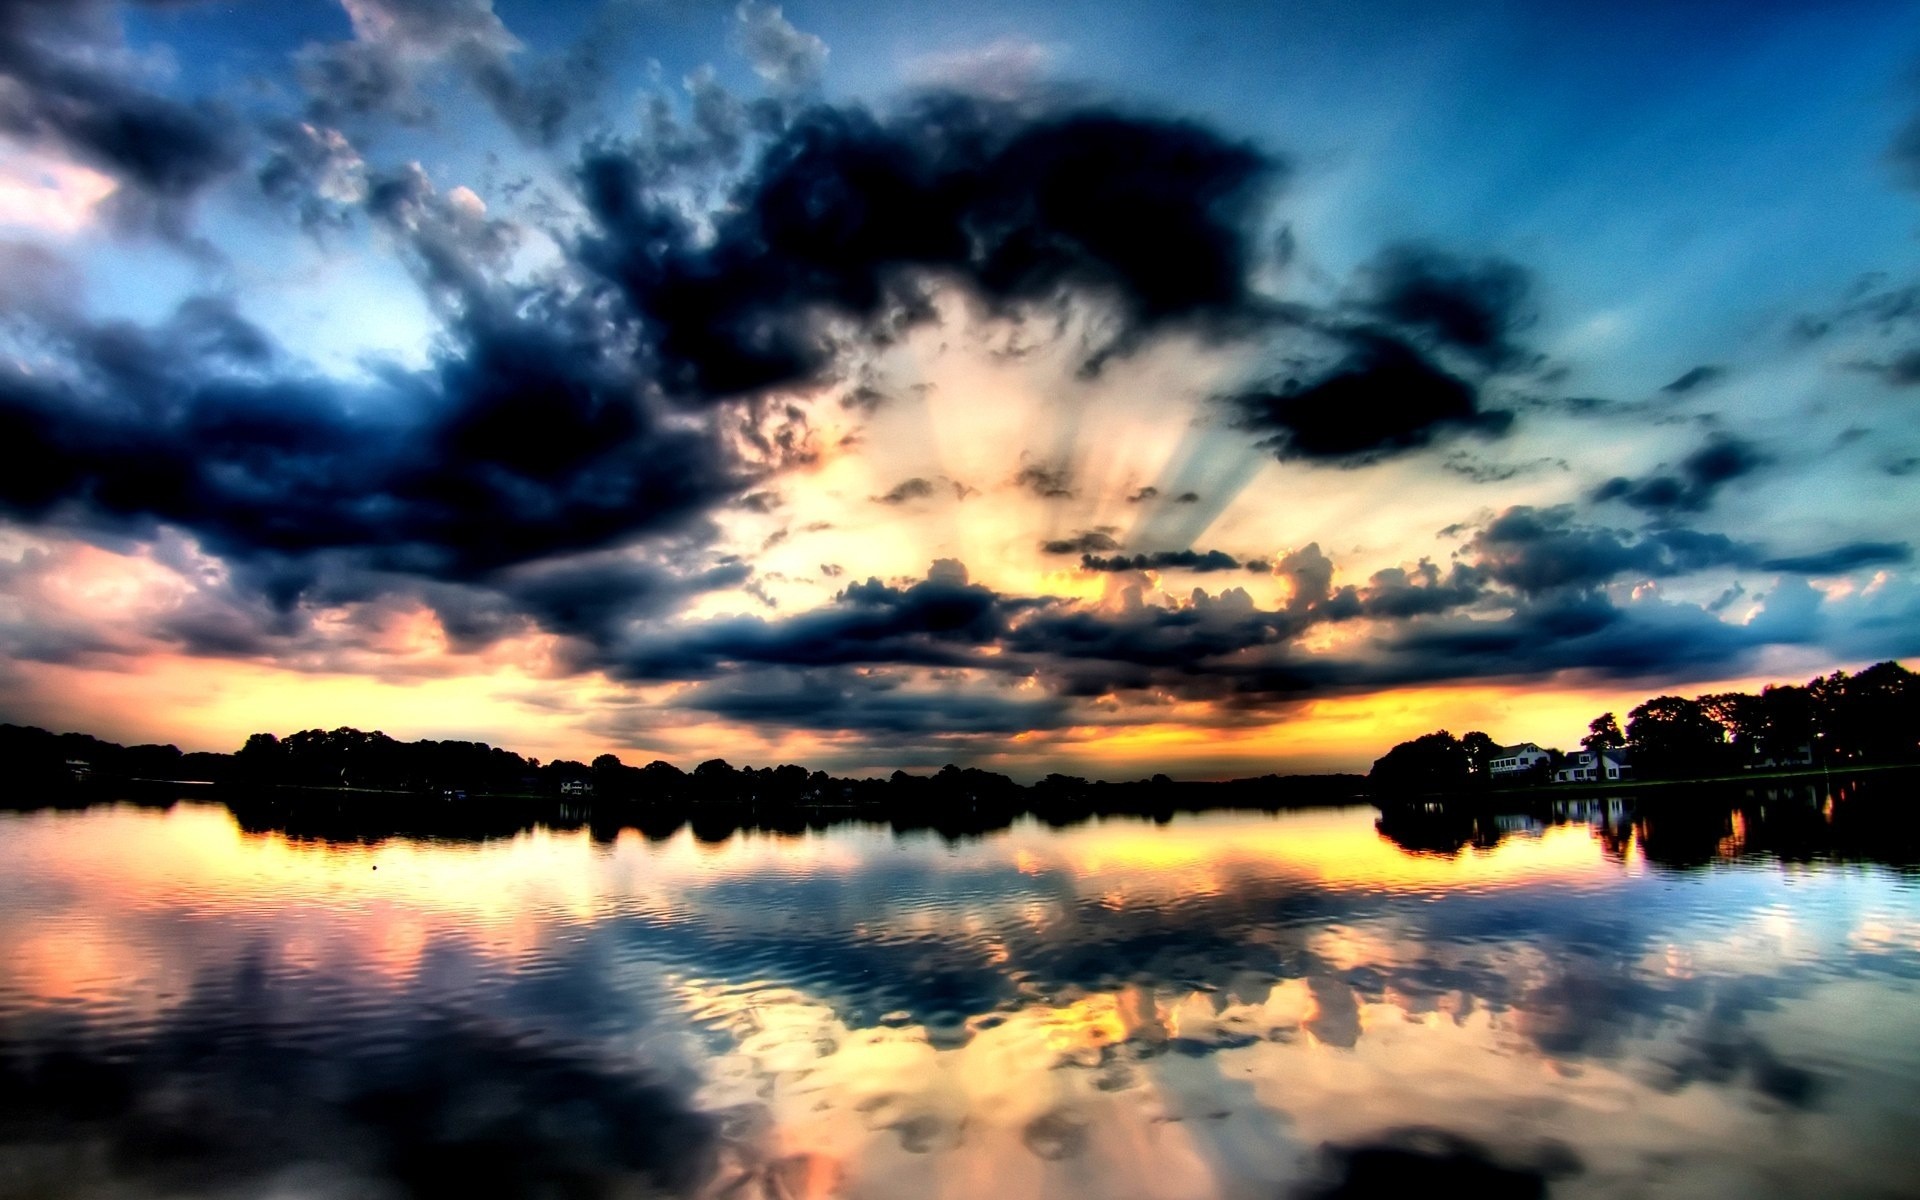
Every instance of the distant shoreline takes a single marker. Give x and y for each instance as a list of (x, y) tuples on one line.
[(365, 815), (1635, 786)]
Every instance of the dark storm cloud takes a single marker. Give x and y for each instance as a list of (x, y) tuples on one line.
[(432, 26), (1384, 398), (846, 213), (1087, 541), (1694, 379), (1872, 301), (1163, 560), (377, 73), (1525, 599), (349, 80), (1226, 648), (1434, 329), (539, 101), (1901, 370), (1309, 572), (878, 705), (456, 250), (1841, 559), (947, 622), (538, 435), (1537, 550), (1693, 487), (864, 399), (942, 620), (62, 84), (506, 485), (1086, 652), (316, 172), (526, 443), (1396, 594), (1467, 466), (596, 599), (1048, 483), (907, 489), (1879, 306), (1584, 631), (1474, 306), (708, 138)]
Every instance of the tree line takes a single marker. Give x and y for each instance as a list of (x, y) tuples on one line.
[(1872, 716), (1838, 720), (351, 781)]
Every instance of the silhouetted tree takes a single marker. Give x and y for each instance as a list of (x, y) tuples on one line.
[(1672, 736), (1603, 733), (1879, 712), (1481, 751), (1433, 762), (1742, 715), (262, 760)]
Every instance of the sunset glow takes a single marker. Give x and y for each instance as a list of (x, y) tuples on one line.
[(872, 388)]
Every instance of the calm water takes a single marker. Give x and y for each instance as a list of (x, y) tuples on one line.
[(1226, 1006)]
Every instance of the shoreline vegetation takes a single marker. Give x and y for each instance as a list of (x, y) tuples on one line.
[(352, 784)]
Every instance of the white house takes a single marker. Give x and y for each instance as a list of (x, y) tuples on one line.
[(1591, 766), (1509, 761), (1799, 756)]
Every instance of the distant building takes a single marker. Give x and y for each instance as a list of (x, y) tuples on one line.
[(1799, 756), (576, 787), (1609, 811), (1519, 824), (1592, 766), (1512, 761)]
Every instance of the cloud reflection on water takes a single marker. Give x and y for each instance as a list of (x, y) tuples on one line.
[(1225, 1006)]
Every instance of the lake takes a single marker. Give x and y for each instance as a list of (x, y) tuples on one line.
[(1708, 999)]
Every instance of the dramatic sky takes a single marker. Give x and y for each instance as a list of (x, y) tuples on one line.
[(1111, 388)]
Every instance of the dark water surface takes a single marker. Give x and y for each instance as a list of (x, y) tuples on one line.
[(1701, 1002)]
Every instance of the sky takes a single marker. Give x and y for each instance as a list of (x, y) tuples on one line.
[(1110, 389)]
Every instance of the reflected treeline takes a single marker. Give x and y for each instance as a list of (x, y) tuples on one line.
[(1868, 819), (630, 1022), (954, 804)]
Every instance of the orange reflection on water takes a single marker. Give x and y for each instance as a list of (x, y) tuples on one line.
[(1021, 1108), (1082, 1098), (1337, 849), (375, 908), (135, 883), (1138, 1070)]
